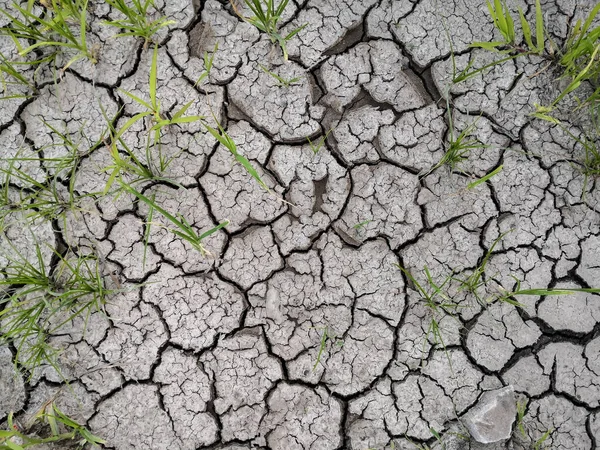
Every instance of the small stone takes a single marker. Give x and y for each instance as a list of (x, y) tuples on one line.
[(491, 419)]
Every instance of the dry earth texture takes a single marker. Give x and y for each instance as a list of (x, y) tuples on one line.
[(295, 328)]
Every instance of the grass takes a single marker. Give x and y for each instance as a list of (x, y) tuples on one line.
[(54, 31), (324, 338), (439, 304), (61, 426), (266, 18), (316, 146), (459, 145), (137, 22), (283, 82), (183, 228), (579, 57), (226, 141), (41, 299), (156, 163)]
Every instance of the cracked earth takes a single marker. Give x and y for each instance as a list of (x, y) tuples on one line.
[(225, 351)]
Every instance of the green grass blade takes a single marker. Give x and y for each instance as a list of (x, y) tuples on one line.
[(485, 178), (526, 30), (153, 76), (539, 27)]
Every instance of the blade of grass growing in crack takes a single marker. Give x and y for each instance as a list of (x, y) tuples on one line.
[(185, 230), (208, 63), (225, 140), (485, 178)]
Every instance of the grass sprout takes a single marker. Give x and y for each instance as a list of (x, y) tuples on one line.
[(40, 300), (438, 302), (485, 178), (316, 146), (226, 141), (476, 280), (183, 229), (136, 22), (54, 31), (459, 145), (266, 18), (208, 64), (284, 82), (62, 428)]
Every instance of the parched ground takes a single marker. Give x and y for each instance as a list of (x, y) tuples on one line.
[(225, 351)]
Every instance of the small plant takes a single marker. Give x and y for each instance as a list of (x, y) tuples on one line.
[(136, 21), (52, 32), (183, 228), (324, 337), (521, 410), (225, 140), (459, 146), (316, 146), (208, 63), (43, 300), (539, 444), (266, 16), (477, 280), (62, 428), (485, 178), (284, 82), (439, 308), (131, 164)]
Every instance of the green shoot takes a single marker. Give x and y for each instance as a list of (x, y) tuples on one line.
[(539, 29), (53, 31), (521, 409), (62, 428), (225, 140), (153, 111), (183, 228), (266, 16), (136, 21), (503, 21), (147, 230), (485, 178), (208, 63), (359, 227), (476, 280), (280, 80), (438, 308), (321, 348), (316, 146), (537, 445), (459, 146), (44, 300)]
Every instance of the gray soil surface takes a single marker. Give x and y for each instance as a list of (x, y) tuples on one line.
[(299, 331)]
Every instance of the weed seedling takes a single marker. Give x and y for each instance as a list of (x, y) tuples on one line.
[(284, 82), (476, 280), (521, 410), (153, 111), (62, 428), (539, 444), (40, 300), (439, 309), (226, 141), (208, 63), (485, 178), (324, 337), (266, 16), (136, 21), (316, 146), (53, 31), (183, 228), (459, 146)]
